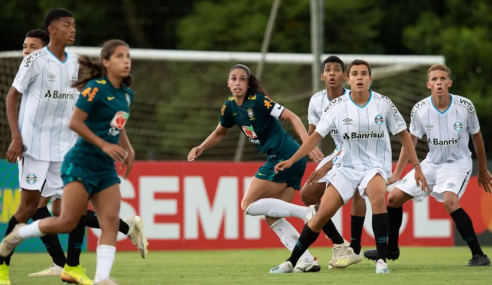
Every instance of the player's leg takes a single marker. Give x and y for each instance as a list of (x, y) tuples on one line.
[(331, 202), (106, 203), (131, 227), (51, 242), (452, 180), (376, 193), (32, 177), (358, 216)]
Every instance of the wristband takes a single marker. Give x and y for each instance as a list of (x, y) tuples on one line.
[(415, 165)]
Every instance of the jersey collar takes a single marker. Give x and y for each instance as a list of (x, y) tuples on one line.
[(450, 104)]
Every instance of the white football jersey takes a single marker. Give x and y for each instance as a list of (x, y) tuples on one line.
[(317, 106), (447, 132), (47, 103), (363, 130)]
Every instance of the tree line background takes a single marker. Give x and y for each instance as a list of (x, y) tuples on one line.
[(461, 30)]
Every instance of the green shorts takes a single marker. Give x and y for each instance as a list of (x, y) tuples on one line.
[(291, 176), (94, 181)]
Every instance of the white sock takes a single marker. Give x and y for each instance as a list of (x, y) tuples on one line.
[(288, 236), (105, 259), (276, 208), (31, 230)]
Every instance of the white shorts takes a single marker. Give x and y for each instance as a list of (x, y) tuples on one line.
[(347, 180), (322, 163), (44, 176), (445, 177)]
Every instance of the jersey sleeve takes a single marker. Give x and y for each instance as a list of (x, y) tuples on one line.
[(88, 97), (326, 124), (472, 120), (416, 127), (226, 118), (394, 121), (313, 118), (28, 72), (268, 105)]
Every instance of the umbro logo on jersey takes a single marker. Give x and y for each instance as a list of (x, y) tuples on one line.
[(429, 127), (347, 121), (51, 78), (59, 95), (451, 185)]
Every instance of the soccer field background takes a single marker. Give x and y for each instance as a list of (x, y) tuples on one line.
[(417, 265)]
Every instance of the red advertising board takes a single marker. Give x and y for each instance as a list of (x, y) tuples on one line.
[(196, 205)]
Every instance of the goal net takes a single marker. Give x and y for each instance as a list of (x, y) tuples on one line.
[(179, 94)]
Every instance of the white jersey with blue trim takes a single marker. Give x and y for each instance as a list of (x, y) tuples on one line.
[(364, 130), (47, 103), (317, 106), (447, 132)]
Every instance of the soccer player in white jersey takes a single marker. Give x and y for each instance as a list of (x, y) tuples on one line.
[(35, 39), (364, 119), (333, 76), (447, 120)]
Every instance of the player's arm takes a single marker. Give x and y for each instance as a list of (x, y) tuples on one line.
[(77, 124), (213, 139), (402, 161), (311, 129), (484, 177), (124, 142), (312, 117), (295, 121), (16, 147)]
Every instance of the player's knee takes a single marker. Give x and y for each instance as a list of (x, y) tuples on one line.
[(245, 204), (393, 200), (378, 205), (307, 197), (451, 205)]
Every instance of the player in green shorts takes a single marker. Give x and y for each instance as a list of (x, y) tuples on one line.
[(269, 194), (88, 170)]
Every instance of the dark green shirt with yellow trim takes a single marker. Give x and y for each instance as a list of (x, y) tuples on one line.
[(258, 118)]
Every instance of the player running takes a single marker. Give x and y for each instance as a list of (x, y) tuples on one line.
[(363, 119), (344, 253), (88, 170), (447, 120), (257, 116), (131, 227)]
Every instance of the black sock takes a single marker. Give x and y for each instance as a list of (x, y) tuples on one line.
[(395, 219), (12, 223), (92, 222), (75, 242), (305, 240), (51, 242), (465, 227), (332, 233), (380, 229), (356, 227)]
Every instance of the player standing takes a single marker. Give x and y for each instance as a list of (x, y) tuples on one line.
[(257, 116), (40, 133), (447, 120), (88, 170), (311, 193), (363, 118), (131, 227)]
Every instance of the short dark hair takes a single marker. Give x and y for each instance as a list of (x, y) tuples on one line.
[(55, 14), (334, 58), (39, 34), (359, 62)]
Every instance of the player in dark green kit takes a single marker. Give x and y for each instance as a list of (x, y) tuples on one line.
[(269, 194), (88, 170)]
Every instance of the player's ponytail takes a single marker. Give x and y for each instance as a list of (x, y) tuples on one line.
[(255, 86), (90, 69)]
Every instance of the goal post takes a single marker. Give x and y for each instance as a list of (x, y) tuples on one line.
[(179, 94)]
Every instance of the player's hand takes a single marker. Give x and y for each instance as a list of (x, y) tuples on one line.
[(316, 155), (420, 179), (129, 163), (283, 165), (116, 152), (195, 153), (485, 180), (15, 150), (317, 175)]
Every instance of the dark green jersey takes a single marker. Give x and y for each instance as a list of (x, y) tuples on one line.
[(108, 110), (258, 118)]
